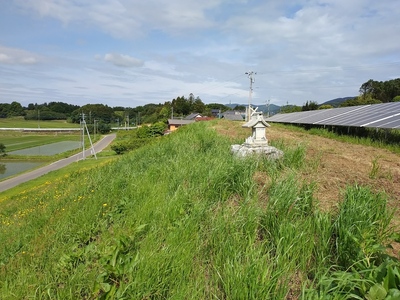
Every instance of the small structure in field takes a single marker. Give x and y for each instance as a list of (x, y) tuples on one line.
[(257, 143)]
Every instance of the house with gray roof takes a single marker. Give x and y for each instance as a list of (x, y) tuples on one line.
[(174, 124)]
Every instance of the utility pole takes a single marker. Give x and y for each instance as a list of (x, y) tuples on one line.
[(95, 128), (84, 126), (268, 107), (83, 135), (252, 80), (38, 118)]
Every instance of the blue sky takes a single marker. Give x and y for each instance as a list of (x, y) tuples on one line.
[(130, 53)]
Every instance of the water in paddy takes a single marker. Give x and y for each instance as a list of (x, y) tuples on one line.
[(11, 168), (50, 149)]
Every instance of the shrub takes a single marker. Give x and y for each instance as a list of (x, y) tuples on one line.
[(119, 148), (2, 149), (128, 145)]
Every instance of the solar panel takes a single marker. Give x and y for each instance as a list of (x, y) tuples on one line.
[(390, 122), (383, 115)]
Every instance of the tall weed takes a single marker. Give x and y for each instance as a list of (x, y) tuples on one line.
[(361, 227)]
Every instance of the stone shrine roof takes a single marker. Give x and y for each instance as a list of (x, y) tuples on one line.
[(255, 121)]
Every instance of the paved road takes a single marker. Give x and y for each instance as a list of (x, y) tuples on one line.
[(12, 182)]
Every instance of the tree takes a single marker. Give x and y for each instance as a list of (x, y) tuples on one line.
[(2, 149), (44, 114), (31, 106), (157, 129), (366, 88), (383, 91), (360, 100), (191, 99), (312, 105), (198, 106), (101, 128), (165, 113), (14, 109), (239, 108), (218, 106), (62, 108), (290, 108), (4, 108), (325, 106), (181, 106), (102, 113)]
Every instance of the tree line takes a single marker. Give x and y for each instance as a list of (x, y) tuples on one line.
[(371, 92), (100, 113)]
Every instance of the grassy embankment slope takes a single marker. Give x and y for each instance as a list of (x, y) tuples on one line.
[(184, 219)]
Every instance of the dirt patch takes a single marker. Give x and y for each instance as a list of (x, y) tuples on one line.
[(338, 164)]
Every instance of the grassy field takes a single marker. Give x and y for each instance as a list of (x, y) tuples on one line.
[(184, 219), (20, 122)]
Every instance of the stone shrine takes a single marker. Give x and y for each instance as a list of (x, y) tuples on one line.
[(257, 143)]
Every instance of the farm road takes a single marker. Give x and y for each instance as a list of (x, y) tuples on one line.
[(12, 182)]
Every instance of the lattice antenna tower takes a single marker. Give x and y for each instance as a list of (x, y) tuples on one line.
[(250, 74)]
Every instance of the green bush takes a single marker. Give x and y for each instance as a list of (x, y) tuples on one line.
[(101, 128), (2, 149), (122, 147)]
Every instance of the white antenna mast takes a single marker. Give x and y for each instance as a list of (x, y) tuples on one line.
[(252, 80)]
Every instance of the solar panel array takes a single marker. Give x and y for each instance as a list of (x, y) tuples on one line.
[(383, 115)]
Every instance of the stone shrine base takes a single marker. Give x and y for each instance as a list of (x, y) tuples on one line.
[(245, 150)]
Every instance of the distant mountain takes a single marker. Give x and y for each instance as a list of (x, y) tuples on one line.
[(273, 109), (336, 102), (233, 105)]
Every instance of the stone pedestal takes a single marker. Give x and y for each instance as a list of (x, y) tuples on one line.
[(258, 150)]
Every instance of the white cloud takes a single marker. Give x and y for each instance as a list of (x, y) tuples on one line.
[(301, 49), (122, 60), (127, 18), (17, 56)]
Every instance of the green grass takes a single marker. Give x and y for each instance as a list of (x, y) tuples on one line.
[(20, 122), (184, 219)]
